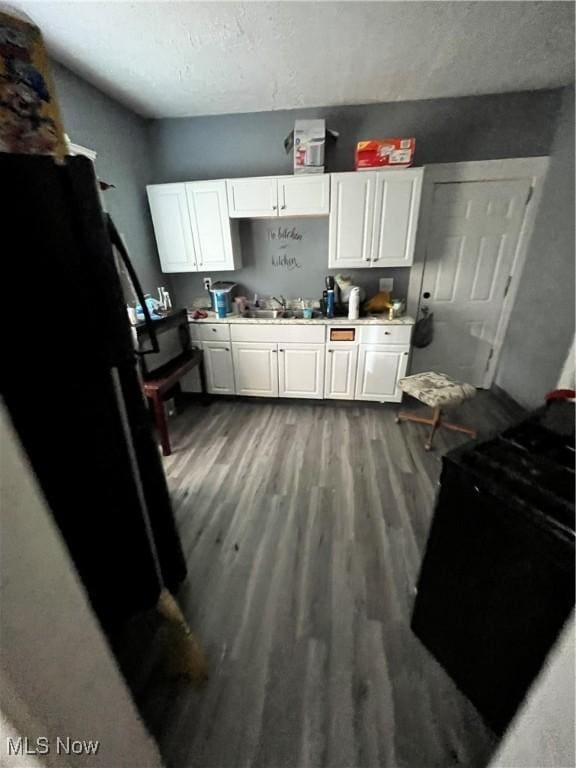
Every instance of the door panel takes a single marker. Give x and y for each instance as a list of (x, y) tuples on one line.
[(210, 224), (396, 218), (256, 368), (252, 198), (172, 228), (301, 370), (469, 256), (340, 377), (219, 367), (379, 369), (304, 195), (351, 219)]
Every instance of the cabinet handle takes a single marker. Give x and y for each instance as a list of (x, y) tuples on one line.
[(226, 349), (214, 330), (386, 333), (283, 207), (274, 207), (404, 353), (274, 351), (281, 350), (330, 351)]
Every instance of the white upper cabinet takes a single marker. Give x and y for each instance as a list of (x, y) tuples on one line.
[(252, 198), (373, 218), (304, 195), (213, 232), (396, 218), (192, 227), (270, 196), (351, 219), (171, 220)]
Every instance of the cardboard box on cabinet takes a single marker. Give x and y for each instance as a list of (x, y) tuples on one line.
[(385, 153)]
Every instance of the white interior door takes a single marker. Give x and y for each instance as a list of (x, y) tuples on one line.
[(469, 256)]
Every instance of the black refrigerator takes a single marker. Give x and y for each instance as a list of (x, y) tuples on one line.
[(70, 382)]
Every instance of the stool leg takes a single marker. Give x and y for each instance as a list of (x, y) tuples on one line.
[(435, 424), (161, 424)]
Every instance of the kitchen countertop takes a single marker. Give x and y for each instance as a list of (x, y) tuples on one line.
[(371, 320)]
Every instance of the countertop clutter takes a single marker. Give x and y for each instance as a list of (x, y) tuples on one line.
[(237, 319)]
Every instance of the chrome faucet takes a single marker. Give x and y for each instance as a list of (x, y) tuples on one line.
[(281, 301)]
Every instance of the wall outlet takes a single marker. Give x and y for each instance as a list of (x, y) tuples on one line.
[(207, 283), (386, 284)]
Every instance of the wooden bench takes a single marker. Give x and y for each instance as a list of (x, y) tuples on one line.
[(164, 380)]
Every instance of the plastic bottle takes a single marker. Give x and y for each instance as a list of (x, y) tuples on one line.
[(354, 303), (330, 303)]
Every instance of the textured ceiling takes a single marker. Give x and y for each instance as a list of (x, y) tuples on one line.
[(173, 59)]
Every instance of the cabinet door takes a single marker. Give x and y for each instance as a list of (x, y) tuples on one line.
[(219, 367), (396, 217), (351, 219), (340, 378), (304, 195), (301, 370), (256, 368), (379, 368), (172, 228), (211, 228), (252, 198)]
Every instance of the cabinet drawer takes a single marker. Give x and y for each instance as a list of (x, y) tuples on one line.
[(269, 332), (214, 332), (385, 334)]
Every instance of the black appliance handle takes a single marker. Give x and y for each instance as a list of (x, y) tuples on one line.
[(116, 241)]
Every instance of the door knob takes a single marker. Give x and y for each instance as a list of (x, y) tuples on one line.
[(426, 295)]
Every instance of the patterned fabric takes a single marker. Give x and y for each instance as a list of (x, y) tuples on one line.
[(436, 389)]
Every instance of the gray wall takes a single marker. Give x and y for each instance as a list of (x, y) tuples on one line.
[(447, 130), (541, 327), (292, 266), (121, 139)]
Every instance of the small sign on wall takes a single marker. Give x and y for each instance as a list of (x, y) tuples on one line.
[(283, 238)]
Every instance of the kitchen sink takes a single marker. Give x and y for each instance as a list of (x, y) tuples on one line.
[(298, 314), (264, 314), (275, 314)]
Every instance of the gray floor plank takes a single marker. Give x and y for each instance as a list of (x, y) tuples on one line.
[(304, 525)]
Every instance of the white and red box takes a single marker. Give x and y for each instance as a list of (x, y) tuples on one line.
[(384, 153)]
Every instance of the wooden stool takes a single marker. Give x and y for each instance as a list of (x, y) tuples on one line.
[(435, 390), (165, 378)]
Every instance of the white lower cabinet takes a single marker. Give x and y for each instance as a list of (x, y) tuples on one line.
[(340, 376), (301, 370), (256, 368), (379, 369), (219, 367), (300, 361)]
